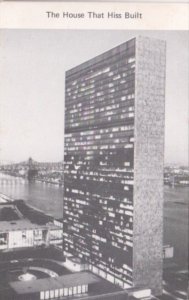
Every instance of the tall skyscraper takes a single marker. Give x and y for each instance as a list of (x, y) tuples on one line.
[(114, 152)]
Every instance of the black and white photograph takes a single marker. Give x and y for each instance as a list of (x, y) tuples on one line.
[(94, 164)]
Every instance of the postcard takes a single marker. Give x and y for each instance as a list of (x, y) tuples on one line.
[(94, 158)]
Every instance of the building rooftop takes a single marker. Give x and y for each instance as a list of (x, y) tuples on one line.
[(75, 259), (35, 286), (23, 224), (17, 215), (93, 62), (5, 199)]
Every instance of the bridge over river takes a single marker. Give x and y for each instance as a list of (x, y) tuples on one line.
[(29, 169)]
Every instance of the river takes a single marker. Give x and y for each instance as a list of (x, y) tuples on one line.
[(44, 196), (49, 198)]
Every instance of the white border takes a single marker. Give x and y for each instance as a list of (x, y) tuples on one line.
[(155, 16)]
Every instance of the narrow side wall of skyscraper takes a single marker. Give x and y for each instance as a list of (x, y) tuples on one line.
[(148, 163)]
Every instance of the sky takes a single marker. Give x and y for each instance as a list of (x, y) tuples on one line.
[(32, 72)]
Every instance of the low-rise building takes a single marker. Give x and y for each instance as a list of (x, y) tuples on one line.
[(17, 231), (22, 233), (52, 288)]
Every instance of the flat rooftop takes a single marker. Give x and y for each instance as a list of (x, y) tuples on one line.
[(23, 224), (75, 259), (65, 281)]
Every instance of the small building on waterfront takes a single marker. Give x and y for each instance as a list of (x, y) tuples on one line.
[(18, 230), (22, 233)]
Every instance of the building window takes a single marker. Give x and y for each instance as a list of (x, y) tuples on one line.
[(46, 295), (61, 292), (65, 291), (84, 289), (51, 294), (42, 295), (70, 292), (56, 293)]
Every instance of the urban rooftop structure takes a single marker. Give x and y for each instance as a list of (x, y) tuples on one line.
[(23, 227)]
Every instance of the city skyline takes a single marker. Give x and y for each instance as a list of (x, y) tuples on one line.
[(32, 89)]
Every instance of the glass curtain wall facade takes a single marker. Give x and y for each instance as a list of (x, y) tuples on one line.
[(99, 163)]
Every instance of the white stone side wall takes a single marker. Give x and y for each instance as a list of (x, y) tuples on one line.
[(149, 163)]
